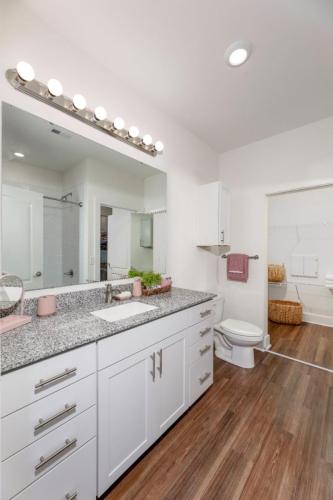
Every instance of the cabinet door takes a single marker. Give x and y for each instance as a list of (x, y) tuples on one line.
[(170, 386), (224, 216), (124, 401)]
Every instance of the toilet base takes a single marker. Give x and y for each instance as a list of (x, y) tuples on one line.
[(239, 356)]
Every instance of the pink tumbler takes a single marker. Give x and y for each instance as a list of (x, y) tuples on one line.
[(137, 287)]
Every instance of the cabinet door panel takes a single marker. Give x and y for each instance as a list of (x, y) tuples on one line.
[(169, 389), (124, 400)]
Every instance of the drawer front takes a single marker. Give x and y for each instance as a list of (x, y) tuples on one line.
[(36, 381), (201, 376), (200, 331), (26, 466), (202, 349), (23, 427), (73, 479), (202, 312)]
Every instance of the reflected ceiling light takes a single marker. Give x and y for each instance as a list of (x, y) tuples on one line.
[(19, 155), (133, 132), (147, 140), (238, 53), (118, 123), (25, 71), (159, 146), (54, 87), (79, 102), (100, 113)]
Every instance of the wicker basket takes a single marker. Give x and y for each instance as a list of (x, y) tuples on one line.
[(276, 273), (285, 312), (155, 291)]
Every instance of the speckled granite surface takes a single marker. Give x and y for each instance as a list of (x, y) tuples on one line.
[(46, 337)]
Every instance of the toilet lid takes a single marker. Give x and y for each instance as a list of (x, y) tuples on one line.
[(243, 328)]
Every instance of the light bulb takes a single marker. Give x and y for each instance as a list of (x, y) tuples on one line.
[(159, 146), (19, 155), (238, 57), (133, 131), (118, 123), (25, 71), (147, 140), (100, 113), (54, 87), (79, 102)]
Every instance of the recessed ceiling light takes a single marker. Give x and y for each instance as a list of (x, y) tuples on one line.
[(19, 155), (238, 53)]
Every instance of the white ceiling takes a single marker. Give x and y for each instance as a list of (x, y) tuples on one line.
[(172, 52), (33, 136)]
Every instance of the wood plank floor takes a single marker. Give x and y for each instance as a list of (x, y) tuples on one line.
[(265, 433), (307, 342)]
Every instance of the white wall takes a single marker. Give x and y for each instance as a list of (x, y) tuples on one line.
[(187, 160), (301, 157)]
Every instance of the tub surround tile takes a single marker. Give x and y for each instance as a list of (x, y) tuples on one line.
[(74, 325)]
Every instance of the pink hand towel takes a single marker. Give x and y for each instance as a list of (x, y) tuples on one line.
[(238, 267)]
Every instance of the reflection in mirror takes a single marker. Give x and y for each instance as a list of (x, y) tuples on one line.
[(74, 211), (11, 293)]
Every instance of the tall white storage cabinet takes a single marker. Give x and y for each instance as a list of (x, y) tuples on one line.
[(212, 215)]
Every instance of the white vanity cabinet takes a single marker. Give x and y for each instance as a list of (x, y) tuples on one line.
[(212, 215)]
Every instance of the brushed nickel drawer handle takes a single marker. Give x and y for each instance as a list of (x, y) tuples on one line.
[(203, 314), (204, 377), (153, 371), (160, 368), (205, 349), (205, 331), (71, 496), (69, 443), (66, 373), (42, 423)]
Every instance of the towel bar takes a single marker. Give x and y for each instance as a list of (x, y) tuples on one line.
[(255, 257)]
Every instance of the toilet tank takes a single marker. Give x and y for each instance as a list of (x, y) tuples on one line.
[(218, 305)]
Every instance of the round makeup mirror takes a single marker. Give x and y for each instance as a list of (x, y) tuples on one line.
[(11, 294)]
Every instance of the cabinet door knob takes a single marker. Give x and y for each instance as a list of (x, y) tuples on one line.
[(37, 274)]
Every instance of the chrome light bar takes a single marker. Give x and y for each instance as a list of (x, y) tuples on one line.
[(22, 78)]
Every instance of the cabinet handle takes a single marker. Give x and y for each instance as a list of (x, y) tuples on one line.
[(66, 373), (205, 349), (203, 314), (204, 377), (153, 371), (222, 236), (71, 496), (205, 331), (42, 423), (43, 462), (160, 368)]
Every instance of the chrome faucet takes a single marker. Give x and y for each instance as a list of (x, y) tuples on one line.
[(109, 293)]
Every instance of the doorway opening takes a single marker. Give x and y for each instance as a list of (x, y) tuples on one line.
[(104, 240)]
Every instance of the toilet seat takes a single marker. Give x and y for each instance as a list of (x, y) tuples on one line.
[(240, 328)]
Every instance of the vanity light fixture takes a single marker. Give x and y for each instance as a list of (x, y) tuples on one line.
[(238, 53), (25, 71), (22, 78), (54, 87), (100, 113)]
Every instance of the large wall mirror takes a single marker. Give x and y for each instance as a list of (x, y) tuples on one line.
[(74, 211)]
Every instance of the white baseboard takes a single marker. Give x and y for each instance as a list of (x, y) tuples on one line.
[(318, 319)]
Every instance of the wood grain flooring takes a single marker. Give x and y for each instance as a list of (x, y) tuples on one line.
[(262, 434), (307, 342)]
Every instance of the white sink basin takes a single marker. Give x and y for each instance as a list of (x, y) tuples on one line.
[(117, 313)]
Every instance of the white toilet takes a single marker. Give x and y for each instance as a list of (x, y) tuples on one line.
[(235, 339)]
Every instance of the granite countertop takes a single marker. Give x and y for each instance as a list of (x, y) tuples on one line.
[(46, 337)]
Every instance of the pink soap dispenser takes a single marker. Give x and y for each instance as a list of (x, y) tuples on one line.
[(137, 287)]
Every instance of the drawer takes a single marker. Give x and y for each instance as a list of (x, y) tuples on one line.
[(23, 427), (200, 331), (31, 383), (203, 311), (201, 376), (74, 478), (26, 466), (202, 349)]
